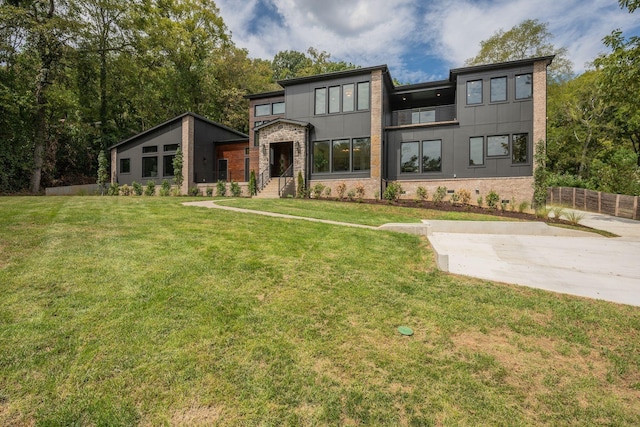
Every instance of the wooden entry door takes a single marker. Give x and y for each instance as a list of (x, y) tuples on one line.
[(281, 157)]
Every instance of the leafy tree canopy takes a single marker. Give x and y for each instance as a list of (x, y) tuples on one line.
[(290, 64), (529, 39), (632, 5)]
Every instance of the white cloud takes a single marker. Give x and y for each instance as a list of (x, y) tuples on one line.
[(408, 34)]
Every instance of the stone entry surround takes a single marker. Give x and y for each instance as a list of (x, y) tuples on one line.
[(284, 132)]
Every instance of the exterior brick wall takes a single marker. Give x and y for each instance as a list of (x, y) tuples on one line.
[(372, 190), (376, 130), (188, 131), (539, 104)]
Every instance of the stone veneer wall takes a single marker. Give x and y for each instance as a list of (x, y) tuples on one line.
[(188, 132), (284, 132)]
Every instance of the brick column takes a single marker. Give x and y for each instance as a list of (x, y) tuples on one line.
[(539, 104), (376, 128), (188, 124)]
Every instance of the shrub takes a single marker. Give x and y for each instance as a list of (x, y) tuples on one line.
[(539, 176), (236, 190), (439, 195), (503, 205), (341, 189), (253, 186), (422, 194), (137, 188), (165, 188), (359, 191), (351, 194), (114, 189), (479, 201), (317, 190), (465, 196), (327, 192), (542, 212), (175, 191), (376, 195), (209, 191), (177, 168), (221, 188), (125, 190), (512, 204), (455, 198), (574, 217), (301, 189), (392, 192), (492, 199), (523, 206), (150, 189), (194, 191), (558, 212)]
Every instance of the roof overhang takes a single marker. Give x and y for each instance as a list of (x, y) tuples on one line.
[(286, 121)]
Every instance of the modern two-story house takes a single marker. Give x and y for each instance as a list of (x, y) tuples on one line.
[(474, 131)]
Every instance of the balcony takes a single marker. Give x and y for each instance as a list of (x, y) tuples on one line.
[(442, 114)]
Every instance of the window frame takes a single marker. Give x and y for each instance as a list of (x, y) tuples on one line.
[(255, 110), (164, 165), (144, 159), (422, 157), (345, 98), (317, 91), (327, 160), (530, 86), (353, 157), (150, 149), (526, 148), (334, 103), (471, 139), (508, 146), (333, 156), (506, 89), (273, 108), (367, 98), (168, 147), (128, 160), (417, 160), (468, 94)]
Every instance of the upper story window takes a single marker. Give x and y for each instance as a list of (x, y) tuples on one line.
[(277, 108), (263, 110), (498, 89), (150, 149), (524, 86), (345, 98), (474, 92)]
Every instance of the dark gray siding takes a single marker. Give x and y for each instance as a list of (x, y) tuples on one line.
[(204, 158), (168, 134), (487, 119)]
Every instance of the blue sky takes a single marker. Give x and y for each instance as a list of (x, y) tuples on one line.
[(420, 40)]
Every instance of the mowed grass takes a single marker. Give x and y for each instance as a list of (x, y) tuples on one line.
[(125, 311), (354, 213)]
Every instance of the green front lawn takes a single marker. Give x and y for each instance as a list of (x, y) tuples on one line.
[(135, 310)]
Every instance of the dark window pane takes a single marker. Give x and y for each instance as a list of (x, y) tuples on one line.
[(125, 165), (334, 99), (151, 149), (363, 96), (263, 110), (476, 151), (171, 147), (432, 156), (167, 167), (499, 89), (341, 155), (474, 92), (149, 167), (321, 156), (409, 157), (348, 97), (278, 108), (498, 145), (321, 101), (524, 86), (361, 154), (520, 148)]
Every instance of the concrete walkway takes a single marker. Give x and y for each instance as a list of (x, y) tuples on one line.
[(529, 254)]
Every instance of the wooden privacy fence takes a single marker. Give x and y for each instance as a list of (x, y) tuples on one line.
[(594, 201)]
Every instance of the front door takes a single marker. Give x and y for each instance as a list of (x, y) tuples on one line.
[(281, 154)]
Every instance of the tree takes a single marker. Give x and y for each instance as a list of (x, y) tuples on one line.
[(620, 83), (178, 177), (632, 5), (103, 172), (529, 39), (289, 64)]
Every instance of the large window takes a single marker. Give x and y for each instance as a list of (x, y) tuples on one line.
[(167, 165), (361, 154), (498, 89), (277, 108), (524, 86), (476, 151), (348, 97), (342, 155), (334, 99), (519, 148), (474, 92), (409, 157), (321, 157), (432, 156), (125, 165), (149, 167), (321, 100), (498, 145), (263, 110), (363, 96)]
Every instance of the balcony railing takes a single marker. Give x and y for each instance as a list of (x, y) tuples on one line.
[(424, 115)]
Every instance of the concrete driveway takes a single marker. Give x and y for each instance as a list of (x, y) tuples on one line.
[(544, 257)]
